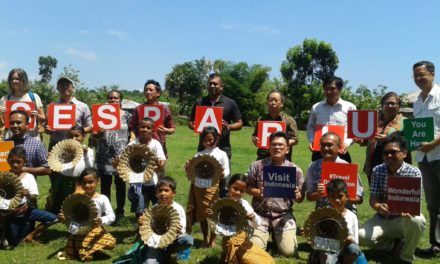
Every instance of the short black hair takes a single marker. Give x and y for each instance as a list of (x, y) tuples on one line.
[(88, 171), (397, 137), (331, 134), (78, 128), (215, 75), (389, 95), (277, 135), (283, 97), (18, 151), (210, 130), (147, 119), (429, 65), (21, 112), (336, 185), (115, 91), (237, 177), (168, 181), (156, 85), (329, 79)]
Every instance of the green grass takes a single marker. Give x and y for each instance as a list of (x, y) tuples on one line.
[(182, 146)]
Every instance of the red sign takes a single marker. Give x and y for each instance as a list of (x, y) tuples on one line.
[(404, 195), (5, 147), (61, 116), (344, 171), (362, 124), (106, 116), (208, 116), (265, 128), (154, 112), (19, 105), (322, 129)]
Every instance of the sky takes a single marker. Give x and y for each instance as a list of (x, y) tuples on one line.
[(127, 42)]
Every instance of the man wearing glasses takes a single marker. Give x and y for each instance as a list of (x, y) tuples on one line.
[(428, 155)]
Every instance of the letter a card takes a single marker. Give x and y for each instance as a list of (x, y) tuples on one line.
[(362, 124), (418, 130), (279, 182), (208, 116), (265, 128), (404, 195), (345, 171)]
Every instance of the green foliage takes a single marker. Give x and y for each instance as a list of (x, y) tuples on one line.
[(363, 97), (47, 64), (47, 92), (4, 89), (303, 70)]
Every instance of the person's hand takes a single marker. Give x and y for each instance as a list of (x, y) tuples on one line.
[(349, 240), (2, 110), (406, 215), (298, 194), (141, 220), (380, 137), (61, 217), (20, 210), (251, 216), (209, 213), (98, 133), (321, 189), (33, 113), (225, 124), (358, 140), (25, 192), (186, 164), (115, 162), (85, 149), (382, 208), (255, 140), (311, 146), (343, 149), (97, 221), (261, 191), (426, 147), (48, 129), (179, 229)]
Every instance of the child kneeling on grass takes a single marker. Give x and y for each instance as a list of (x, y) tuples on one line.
[(19, 225), (351, 252), (85, 246), (165, 193), (238, 248)]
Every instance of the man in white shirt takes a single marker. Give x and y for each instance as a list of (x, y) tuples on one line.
[(331, 111), (428, 154)]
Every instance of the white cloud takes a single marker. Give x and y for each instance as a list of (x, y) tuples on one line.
[(118, 34), (250, 29), (90, 56)]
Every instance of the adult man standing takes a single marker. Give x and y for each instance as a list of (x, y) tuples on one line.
[(231, 117), (276, 213), (428, 155), (36, 155), (83, 117), (383, 229), (332, 111), (329, 144)]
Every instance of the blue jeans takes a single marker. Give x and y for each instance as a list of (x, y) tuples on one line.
[(157, 255), (141, 197), (19, 226)]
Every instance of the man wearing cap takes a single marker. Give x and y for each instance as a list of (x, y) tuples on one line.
[(276, 213), (36, 155), (428, 154), (83, 116)]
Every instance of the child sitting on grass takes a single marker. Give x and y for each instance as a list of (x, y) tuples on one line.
[(165, 193), (85, 246), (19, 225), (237, 248)]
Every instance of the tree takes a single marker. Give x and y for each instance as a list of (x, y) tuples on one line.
[(47, 64), (304, 69)]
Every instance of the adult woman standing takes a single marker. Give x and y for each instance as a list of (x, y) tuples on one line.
[(390, 121), (19, 88), (110, 144)]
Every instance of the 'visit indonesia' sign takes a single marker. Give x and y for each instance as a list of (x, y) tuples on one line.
[(279, 182), (208, 116), (344, 171), (418, 130), (265, 128), (403, 195)]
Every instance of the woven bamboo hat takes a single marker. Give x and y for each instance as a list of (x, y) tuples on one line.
[(137, 158), (161, 226), (327, 223), (11, 192), (229, 217), (205, 167), (79, 212), (65, 155)]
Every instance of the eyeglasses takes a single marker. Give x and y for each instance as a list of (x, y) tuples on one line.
[(113, 97), (392, 152), (389, 104), (421, 75)]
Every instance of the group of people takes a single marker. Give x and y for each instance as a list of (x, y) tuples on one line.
[(387, 155)]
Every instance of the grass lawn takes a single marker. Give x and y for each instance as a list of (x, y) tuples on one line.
[(182, 146)]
